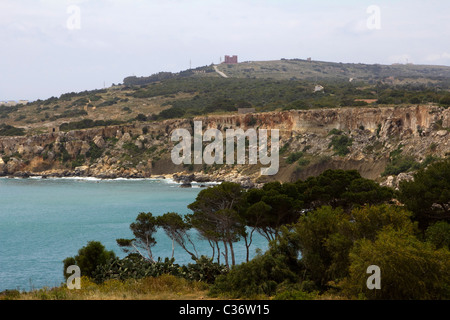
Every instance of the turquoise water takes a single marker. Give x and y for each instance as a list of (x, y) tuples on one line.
[(43, 221)]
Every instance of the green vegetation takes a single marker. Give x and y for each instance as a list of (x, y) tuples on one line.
[(266, 86), (88, 123), (161, 76), (7, 130), (428, 195), (94, 152), (143, 230), (79, 161), (439, 234), (399, 163), (88, 258), (71, 114), (402, 257), (293, 157), (340, 142), (136, 267), (323, 234), (225, 95), (412, 75)]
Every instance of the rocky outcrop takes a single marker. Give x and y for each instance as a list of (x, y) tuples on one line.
[(393, 120), (143, 149)]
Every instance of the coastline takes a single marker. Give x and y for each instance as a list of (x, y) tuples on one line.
[(182, 180)]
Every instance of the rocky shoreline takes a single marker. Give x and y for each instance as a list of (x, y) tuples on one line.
[(143, 149), (184, 180)]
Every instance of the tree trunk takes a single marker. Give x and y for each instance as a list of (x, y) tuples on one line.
[(226, 254), (233, 261), (173, 248), (218, 252), (213, 249), (249, 242)]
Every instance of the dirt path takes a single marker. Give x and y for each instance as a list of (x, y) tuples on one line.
[(220, 72)]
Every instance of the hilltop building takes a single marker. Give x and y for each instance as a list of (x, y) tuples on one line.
[(231, 59)]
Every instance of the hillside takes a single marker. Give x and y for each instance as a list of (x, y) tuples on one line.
[(266, 86), (390, 118), (381, 143), (298, 69)]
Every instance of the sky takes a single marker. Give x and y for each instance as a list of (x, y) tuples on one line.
[(51, 47)]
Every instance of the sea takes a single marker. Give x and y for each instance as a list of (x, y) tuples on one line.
[(44, 221)]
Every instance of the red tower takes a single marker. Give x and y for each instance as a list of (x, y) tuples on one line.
[(231, 59)]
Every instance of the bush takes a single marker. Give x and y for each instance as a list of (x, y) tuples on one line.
[(340, 144), (79, 161), (141, 117), (400, 164), (428, 194), (204, 269), (264, 274), (10, 295), (88, 123), (410, 269), (94, 152), (7, 130), (445, 100), (88, 258), (439, 234), (135, 266), (335, 131), (303, 162), (294, 157)]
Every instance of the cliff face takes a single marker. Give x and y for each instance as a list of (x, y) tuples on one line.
[(143, 149), (396, 120)]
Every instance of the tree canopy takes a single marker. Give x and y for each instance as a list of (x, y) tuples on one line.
[(428, 194)]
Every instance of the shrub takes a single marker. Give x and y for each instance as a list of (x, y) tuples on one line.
[(284, 148), (445, 100), (141, 117), (9, 295), (294, 157), (303, 162), (439, 234), (410, 269), (204, 269), (340, 144), (79, 161), (335, 131), (135, 266), (87, 123), (89, 257), (400, 164), (94, 152), (265, 274), (7, 130), (428, 194)]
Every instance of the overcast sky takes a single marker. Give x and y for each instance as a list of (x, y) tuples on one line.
[(50, 47)]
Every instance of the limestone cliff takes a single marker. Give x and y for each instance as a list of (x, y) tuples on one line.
[(143, 149)]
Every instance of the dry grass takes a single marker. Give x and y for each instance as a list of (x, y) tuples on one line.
[(38, 119), (165, 287)]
